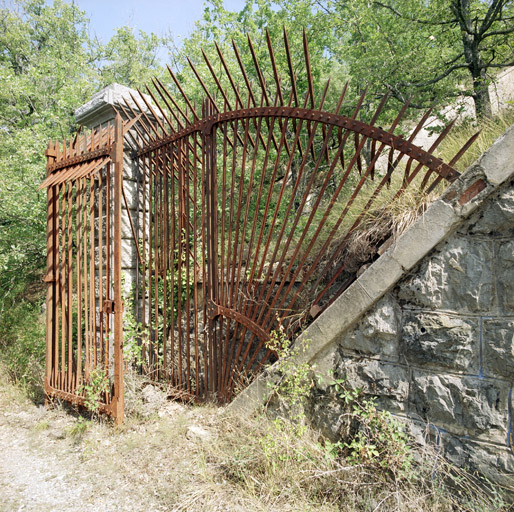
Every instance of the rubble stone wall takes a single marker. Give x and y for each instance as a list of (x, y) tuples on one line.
[(428, 328), (438, 348)]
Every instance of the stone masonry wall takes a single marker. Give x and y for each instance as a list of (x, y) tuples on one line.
[(439, 347), (428, 328)]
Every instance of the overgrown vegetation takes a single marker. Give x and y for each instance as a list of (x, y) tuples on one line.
[(49, 66), (185, 458), (490, 130)]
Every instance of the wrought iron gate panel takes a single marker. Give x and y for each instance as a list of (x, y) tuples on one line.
[(83, 261), (246, 220)]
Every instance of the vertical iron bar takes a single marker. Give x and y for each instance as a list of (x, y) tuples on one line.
[(118, 398), (50, 275)]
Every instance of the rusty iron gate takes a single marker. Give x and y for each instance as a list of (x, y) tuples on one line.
[(251, 199), (84, 306)]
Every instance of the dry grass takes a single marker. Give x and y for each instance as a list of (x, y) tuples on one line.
[(185, 458), (490, 130), (258, 464)]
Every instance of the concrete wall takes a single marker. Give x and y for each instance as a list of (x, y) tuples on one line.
[(429, 327), (439, 347)]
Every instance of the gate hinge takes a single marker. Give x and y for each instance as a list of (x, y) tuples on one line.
[(109, 306)]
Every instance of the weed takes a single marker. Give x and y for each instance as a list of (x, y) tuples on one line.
[(490, 130), (293, 383), (41, 426), (80, 427), (373, 437), (96, 385)]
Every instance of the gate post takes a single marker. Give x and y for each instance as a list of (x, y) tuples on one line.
[(50, 274), (117, 158)]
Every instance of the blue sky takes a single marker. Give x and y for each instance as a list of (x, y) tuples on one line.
[(158, 16)]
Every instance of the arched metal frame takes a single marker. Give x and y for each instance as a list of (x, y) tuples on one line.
[(246, 213)]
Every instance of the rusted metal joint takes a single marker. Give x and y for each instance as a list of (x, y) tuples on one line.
[(50, 278)]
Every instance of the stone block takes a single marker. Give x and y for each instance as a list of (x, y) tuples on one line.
[(326, 414), (439, 339), (459, 277), (128, 254), (126, 230), (498, 347), (388, 382), (129, 282), (504, 268), (494, 462), (131, 192), (496, 218), (334, 321), (468, 406), (130, 170), (378, 332), (498, 161), (429, 230), (380, 276)]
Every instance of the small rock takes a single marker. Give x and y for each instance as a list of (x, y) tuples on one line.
[(196, 432), (153, 399), (171, 409)]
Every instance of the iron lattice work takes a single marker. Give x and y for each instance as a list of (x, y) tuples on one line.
[(248, 206)]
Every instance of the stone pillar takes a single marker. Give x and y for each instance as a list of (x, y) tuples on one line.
[(101, 110)]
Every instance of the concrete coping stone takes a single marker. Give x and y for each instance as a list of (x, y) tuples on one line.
[(100, 108), (463, 197)]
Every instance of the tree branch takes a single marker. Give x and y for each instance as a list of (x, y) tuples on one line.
[(502, 64), (498, 32), (491, 16), (457, 8), (437, 78), (423, 22)]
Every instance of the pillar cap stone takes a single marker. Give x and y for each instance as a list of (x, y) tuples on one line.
[(100, 108)]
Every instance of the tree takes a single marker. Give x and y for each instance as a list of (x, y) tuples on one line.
[(427, 45), (430, 50), (132, 60), (45, 73), (49, 66)]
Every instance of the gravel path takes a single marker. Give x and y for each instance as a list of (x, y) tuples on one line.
[(43, 468)]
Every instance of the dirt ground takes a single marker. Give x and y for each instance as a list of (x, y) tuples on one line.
[(44, 467), (171, 457), (52, 460)]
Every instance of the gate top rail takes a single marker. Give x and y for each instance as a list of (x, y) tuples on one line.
[(169, 117), (396, 142), (83, 156)]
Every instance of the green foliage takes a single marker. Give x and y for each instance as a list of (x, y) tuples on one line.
[(378, 44), (49, 66), (293, 383), (490, 130), (374, 437), (93, 389), (79, 428), (22, 337), (133, 337), (120, 64)]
